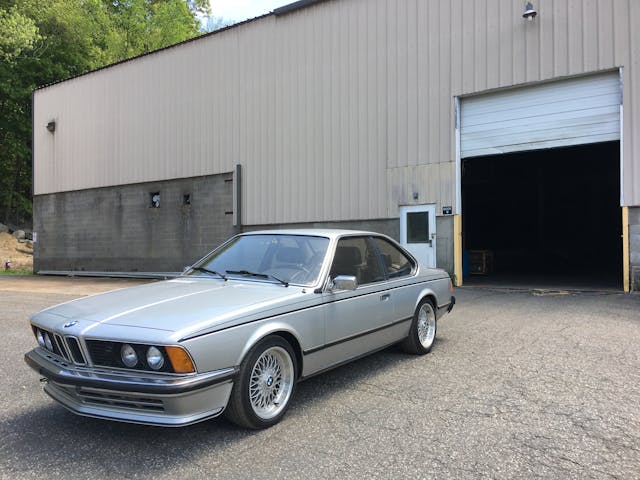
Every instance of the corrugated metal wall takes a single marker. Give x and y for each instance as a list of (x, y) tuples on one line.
[(342, 110)]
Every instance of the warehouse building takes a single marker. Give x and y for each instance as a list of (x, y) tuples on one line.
[(494, 136)]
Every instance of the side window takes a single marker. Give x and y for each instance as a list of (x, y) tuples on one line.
[(357, 257), (395, 262)]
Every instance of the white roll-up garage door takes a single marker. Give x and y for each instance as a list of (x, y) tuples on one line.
[(557, 114)]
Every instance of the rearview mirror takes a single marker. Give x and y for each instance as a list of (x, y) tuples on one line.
[(344, 282)]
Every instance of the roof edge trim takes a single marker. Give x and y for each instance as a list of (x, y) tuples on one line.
[(285, 9)]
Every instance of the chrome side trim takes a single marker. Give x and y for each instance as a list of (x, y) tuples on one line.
[(356, 336), (134, 381)]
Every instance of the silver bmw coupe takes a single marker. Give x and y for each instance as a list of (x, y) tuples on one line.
[(238, 329)]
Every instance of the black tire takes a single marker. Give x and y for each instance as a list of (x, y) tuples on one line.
[(413, 343), (262, 401)]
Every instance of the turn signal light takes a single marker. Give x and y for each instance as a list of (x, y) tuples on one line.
[(180, 360)]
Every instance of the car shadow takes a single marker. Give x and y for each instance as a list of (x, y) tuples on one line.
[(53, 436)]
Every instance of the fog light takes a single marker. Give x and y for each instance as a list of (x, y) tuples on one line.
[(47, 342), (128, 355), (40, 338), (155, 359)]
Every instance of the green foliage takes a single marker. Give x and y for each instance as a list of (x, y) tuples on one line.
[(20, 271), (144, 26), (45, 41), (19, 33)]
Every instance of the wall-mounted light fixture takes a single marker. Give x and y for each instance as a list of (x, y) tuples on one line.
[(51, 126), (529, 12)]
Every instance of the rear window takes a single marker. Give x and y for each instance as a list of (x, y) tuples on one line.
[(395, 262)]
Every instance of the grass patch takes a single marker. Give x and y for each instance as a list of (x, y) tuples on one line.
[(17, 271)]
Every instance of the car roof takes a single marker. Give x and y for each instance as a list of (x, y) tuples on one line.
[(317, 232)]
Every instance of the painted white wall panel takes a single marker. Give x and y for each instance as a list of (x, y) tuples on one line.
[(563, 113)]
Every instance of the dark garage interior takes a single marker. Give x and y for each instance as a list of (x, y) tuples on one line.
[(544, 218)]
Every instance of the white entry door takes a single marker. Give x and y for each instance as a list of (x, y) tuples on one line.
[(418, 232)]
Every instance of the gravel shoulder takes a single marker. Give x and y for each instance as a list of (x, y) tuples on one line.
[(19, 254)]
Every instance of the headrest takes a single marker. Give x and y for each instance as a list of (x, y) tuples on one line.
[(347, 256)]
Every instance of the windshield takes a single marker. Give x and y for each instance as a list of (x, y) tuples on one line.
[(295, 259)]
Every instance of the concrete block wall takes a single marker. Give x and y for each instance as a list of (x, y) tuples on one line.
[(634, 247), (118, 229)]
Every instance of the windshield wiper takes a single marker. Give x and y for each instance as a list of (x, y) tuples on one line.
[(212, 272), (259, 275)]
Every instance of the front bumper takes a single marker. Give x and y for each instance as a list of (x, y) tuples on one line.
[(135, 397)]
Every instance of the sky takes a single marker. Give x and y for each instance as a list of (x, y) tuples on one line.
[(238, 10)]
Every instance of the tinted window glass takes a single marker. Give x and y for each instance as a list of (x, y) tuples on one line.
[(355, 256), (417, 227), (395, 262)]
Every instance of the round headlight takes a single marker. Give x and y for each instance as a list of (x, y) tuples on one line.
[(47, 342), (39, 337), (155, 359), (128, 355)]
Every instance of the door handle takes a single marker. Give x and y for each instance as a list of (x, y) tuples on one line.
[(385, 297)]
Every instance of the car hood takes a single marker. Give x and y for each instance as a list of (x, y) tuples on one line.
[(175, 305)]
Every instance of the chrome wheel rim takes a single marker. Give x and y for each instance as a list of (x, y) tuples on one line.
[(426, 325), (271, 383)]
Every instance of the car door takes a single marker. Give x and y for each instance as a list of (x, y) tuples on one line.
[(356, 320), (399, 270)]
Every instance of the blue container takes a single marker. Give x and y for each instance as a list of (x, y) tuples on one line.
[(466, 266)]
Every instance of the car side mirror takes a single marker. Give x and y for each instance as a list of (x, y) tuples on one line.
[(344, 282)]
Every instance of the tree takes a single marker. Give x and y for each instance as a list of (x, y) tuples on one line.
[(144, 26), (19, 33)]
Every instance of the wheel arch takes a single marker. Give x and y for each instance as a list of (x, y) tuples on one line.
[(278, 329), (429, 294)]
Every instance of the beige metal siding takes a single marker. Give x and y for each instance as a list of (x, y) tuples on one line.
[(339, 111)]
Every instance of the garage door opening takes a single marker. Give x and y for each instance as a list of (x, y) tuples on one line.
[(545, 218)]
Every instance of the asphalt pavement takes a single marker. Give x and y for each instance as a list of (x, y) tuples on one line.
[(518, 385)]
